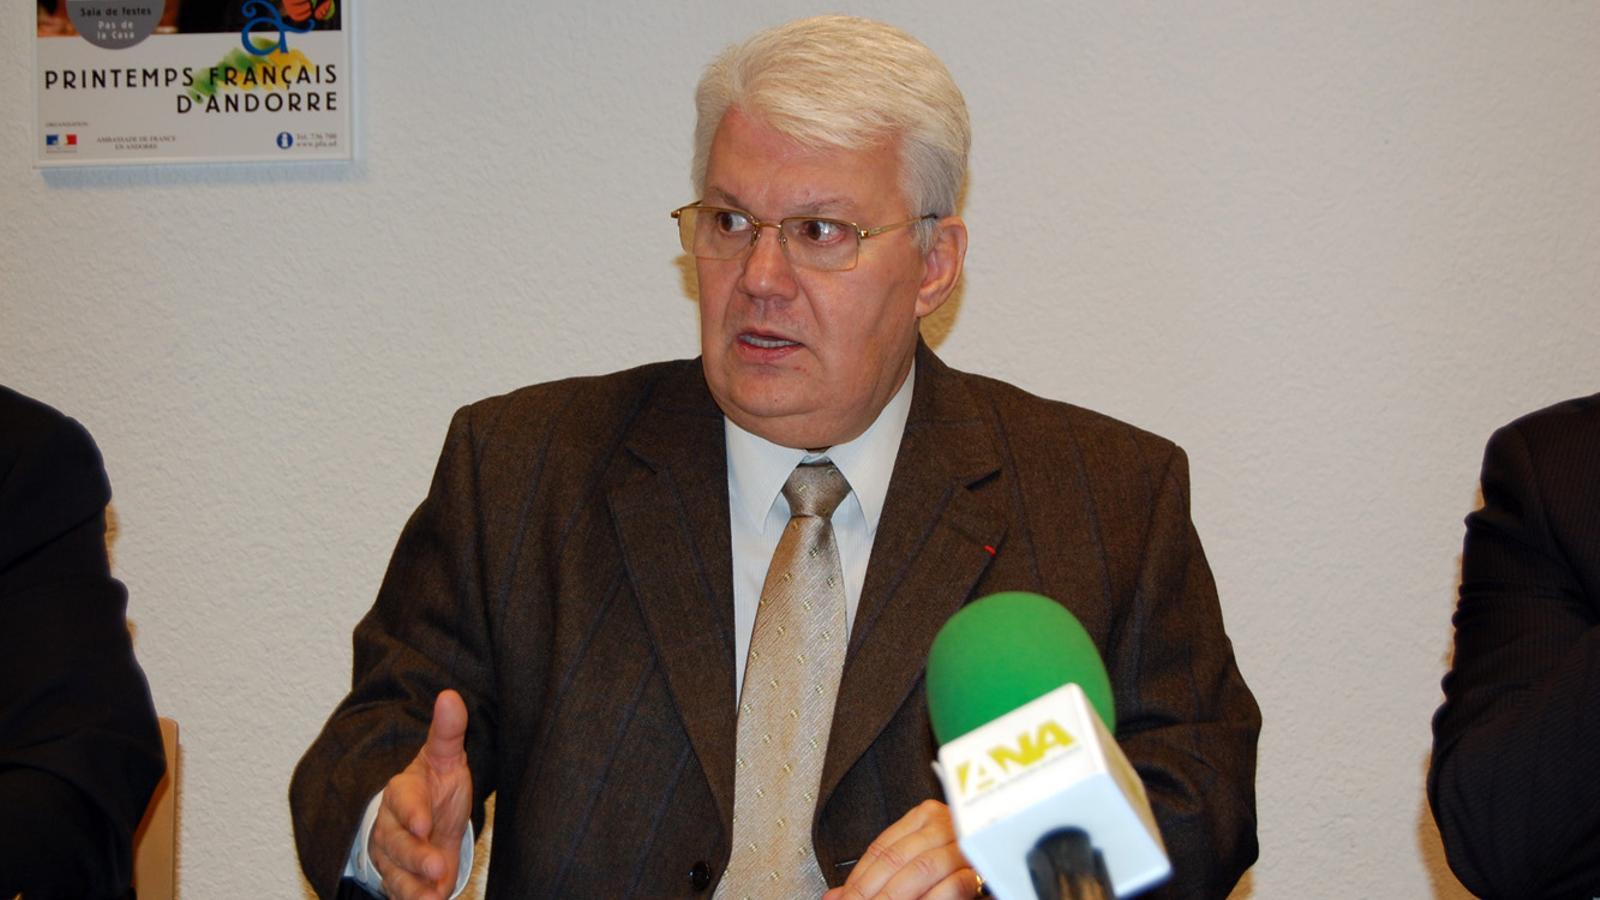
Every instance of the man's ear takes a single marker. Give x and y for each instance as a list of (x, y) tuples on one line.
[(942, 264)]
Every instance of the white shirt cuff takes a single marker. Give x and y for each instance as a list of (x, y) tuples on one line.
[(360, 868)]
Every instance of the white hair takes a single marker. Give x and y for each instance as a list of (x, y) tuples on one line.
[(847, 83)]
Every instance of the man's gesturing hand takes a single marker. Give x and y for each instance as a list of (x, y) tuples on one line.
[(915, 857), (416, 840)]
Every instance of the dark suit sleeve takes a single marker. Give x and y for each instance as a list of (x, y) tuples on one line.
[(80, 751), (1186, 720), (1516, 754), (427, 631)]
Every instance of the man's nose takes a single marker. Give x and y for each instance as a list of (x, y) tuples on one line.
[(767, 271)]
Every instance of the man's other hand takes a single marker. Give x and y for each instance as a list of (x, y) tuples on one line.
[(915, 857), (416, 839)]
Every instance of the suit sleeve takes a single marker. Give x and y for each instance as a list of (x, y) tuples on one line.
[(80, 751), (427, 631), (1517, 742), (1186, 719)]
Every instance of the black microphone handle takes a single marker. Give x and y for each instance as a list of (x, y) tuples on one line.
[(1065, 866)]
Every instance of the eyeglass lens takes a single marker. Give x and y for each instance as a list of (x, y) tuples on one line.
[(709, 232)]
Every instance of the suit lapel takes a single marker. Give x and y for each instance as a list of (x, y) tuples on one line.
[(934, 541), (931, 548), (672, 523)]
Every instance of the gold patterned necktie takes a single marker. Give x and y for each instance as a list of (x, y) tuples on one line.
[(790, 682)]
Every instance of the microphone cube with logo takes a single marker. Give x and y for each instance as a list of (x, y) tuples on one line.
[(1046, 766)]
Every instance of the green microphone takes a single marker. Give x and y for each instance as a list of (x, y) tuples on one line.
[(1044, 803), (1004, 650)]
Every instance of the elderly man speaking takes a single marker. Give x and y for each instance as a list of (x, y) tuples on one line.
[(675, 618)]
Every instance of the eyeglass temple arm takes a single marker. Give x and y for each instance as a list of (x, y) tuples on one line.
[(874, 232)]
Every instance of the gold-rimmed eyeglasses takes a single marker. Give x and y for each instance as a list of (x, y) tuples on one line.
[(810, 242)]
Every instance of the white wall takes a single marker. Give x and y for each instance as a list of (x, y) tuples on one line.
[(1326, 247)]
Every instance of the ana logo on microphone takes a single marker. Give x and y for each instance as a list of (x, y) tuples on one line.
[(1005, 761)]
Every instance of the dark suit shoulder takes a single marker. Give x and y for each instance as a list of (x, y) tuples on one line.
[(567, 436), (1579, 411), (573, 411), (1543, 465), (52, 478), (1106, 445), (1565, 435)]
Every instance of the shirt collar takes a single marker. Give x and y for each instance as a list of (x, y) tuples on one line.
[(758, 468)]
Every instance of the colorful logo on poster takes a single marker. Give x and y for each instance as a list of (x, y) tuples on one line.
[(267, 13), (60, 140), (285, 140)]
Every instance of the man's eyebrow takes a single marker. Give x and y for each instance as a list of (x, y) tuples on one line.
[(830, 206), (720, 197), (824, 206)]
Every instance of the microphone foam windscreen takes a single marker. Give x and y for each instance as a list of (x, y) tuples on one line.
[(1004, 650)]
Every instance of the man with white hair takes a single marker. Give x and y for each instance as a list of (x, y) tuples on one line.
[(675, 618)]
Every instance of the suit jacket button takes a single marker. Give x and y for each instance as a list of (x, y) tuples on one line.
[(700, 875)]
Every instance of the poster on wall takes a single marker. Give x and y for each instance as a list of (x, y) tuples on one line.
[(120, 82)]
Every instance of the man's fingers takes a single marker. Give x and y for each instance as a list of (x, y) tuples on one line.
[(418, 858), (914, 856), (927, 814), (397, 841), (447, 733), (933, 873), (962, 885), (398, 884), (416, 840), (408, 804)]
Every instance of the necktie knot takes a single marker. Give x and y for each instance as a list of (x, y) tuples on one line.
[(815, 489)]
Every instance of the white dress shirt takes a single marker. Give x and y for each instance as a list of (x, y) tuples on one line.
[(758, 512), (757, 515)]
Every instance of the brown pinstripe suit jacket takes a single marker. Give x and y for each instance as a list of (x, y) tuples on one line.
[(569, 573)]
